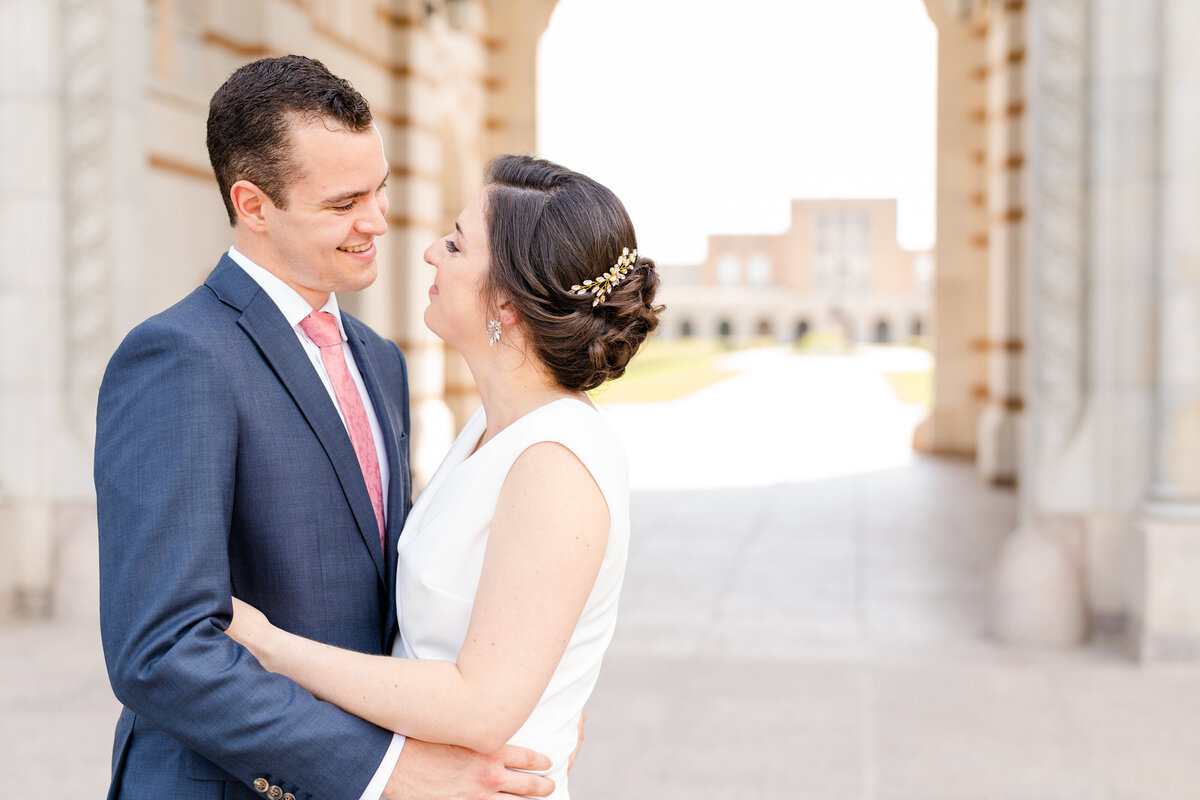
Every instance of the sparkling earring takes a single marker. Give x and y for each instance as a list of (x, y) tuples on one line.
[(493, 329)]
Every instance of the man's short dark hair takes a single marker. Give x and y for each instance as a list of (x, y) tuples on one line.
[(250, 116)]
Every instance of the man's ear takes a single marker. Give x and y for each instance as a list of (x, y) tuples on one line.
[(250, 203)]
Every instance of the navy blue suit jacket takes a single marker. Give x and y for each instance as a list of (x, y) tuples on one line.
[(222, 468)]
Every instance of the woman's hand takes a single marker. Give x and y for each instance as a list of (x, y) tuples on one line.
[(251, 629)]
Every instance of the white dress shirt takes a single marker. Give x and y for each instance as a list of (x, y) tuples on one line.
[(295, 308)]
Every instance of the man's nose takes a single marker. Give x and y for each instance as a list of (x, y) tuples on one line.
[(374, 219)]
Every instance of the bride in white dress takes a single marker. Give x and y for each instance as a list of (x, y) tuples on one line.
[(511, 561)]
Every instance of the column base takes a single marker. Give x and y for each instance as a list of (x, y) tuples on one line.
[(76, 595), (997, 454), (27, 546), (1037, 586), (946, 432), (1165, 586)]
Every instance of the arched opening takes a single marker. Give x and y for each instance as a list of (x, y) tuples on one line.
[(725, 329), (685, 329), (801, 330), (917, 329), (883, 332), (764, 329)]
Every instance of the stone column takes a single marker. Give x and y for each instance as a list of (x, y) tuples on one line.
[(1038, 592), (437, 109), (959, 321), (998, 426), (70, 110), (511, 46), (1165, 590), (31, 249)]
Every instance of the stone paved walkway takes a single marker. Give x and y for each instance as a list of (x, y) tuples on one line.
[(803, 618)]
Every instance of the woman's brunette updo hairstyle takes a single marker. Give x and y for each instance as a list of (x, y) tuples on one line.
[(549, 229)]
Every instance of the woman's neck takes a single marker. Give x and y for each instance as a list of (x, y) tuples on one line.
[(511, 388)]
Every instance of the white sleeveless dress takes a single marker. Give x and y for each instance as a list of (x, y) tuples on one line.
[(440, 557)]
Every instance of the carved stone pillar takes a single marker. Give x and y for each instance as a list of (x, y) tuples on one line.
[(73, 155), (89, 180), (1165, 591), (1038, 591), (30, 262)]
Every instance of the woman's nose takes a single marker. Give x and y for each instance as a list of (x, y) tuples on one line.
[(431, 253)]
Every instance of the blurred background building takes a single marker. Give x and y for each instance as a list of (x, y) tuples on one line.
[(836, 268), (1065, 302)]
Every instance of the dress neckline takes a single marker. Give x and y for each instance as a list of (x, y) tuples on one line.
[(454, 461), (482, 416)]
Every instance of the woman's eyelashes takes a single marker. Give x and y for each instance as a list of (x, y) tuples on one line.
[(451, 246)]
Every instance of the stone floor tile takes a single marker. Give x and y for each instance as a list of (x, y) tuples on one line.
[(720, 740), (974, 731)]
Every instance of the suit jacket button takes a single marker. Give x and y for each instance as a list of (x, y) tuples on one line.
[(260, 785), (289, 796), (275, 793)]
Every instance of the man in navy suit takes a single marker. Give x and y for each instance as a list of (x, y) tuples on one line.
[(228, 463)]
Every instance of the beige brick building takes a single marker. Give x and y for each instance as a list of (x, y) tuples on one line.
[(836, 268), (111, 213)]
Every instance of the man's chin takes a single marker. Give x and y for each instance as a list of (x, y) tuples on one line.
[(361, 279)]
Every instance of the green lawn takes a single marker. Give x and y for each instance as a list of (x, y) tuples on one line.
[(665, 370), (912, 387)]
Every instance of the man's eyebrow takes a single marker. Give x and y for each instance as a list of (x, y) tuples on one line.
[(345, 197)]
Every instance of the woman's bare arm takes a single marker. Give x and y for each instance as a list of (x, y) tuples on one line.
[(544, 551)]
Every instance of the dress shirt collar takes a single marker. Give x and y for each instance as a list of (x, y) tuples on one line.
[(293, 307)]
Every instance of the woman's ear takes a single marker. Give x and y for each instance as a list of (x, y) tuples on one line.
[(508, 315)]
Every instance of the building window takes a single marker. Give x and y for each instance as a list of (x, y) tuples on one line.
[(758, 270), (685, 329), (764, 328), (843, 259), (729, 271), (825, 234), (918, 329), (860, 226), (801, 329), (725, 329)]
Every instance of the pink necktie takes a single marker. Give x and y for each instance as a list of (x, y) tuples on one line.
[(322, 328)]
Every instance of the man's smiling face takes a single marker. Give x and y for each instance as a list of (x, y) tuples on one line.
[(324, 240)]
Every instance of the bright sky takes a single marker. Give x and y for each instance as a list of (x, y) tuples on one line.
[(707, 116)]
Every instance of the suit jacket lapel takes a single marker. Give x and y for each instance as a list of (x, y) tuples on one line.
[(266, 327), (392, 428)]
